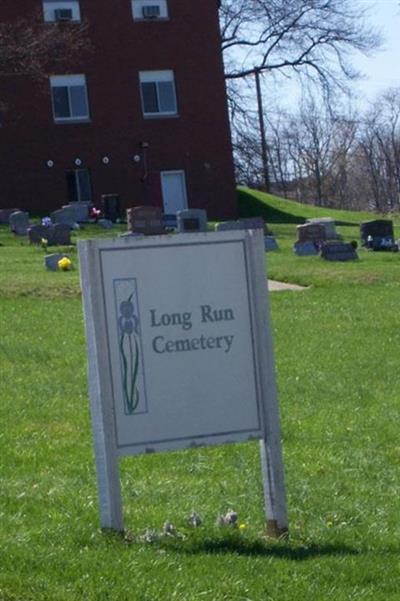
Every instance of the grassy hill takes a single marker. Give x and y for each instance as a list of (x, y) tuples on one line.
[(280, 210)]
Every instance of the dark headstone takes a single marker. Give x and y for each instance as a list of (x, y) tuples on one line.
[(192, 220), (19, 223), (311, 232), (111, 206), (270, 243), (106, 224), (377, 230), (305, 249), (51, 261), (329, 226), (56, 235), (78, 211), (145, 220), (170, 221), (5, 215), (254, 223), (37, 233), (62, 234), (228, 226), (338, 251), (250, 223), (66, 215)]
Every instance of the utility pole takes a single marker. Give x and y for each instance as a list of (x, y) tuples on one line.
[(264, 152)]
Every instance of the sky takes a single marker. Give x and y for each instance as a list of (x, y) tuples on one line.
[(383, 69), (380, 70)]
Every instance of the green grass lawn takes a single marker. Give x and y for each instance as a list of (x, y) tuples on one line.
[(337, 352)]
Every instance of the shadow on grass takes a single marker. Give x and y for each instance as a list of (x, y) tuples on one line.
[(250, 206), (280, 550)]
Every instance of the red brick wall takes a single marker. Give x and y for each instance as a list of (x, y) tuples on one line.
[(197, 141)]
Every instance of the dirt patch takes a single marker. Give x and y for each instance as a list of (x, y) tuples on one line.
[(274, 286)]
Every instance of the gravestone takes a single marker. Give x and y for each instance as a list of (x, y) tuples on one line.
[(145, 220), (51, 261), (19, 223), (58, 234), (338, 251), (255, 223), (191, 220), (227, 226), (5, 215), (37, 233), (66, 215), (106, 224), (305, 249), (311, 232), (329, 226), (374, 233), (79, 211), (62, 234), (170, 221), (111, 206), (270, 243), (249, 223)]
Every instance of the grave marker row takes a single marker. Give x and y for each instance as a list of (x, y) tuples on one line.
[(58, 234)]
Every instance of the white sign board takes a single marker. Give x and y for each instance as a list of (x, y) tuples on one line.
[(179, 351)]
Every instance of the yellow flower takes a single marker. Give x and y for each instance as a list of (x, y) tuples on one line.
[(64, 264), (242, 527)]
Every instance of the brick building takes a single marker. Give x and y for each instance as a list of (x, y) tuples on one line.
[(143, 117)]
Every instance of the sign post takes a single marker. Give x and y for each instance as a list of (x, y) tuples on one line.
[(180, 354)]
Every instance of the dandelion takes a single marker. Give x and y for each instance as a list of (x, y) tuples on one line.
[(64, 264), (242, 527)]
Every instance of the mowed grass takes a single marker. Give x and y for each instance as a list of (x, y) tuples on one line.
[(336, 346)]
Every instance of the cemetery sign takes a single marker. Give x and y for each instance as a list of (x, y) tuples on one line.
[(180, 353)]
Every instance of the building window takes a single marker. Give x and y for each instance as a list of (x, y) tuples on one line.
[(149, 10), (158, 93), (61, 10), (69, 98), (79, 185)]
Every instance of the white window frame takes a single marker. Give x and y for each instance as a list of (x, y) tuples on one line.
[(137, 9), (156, 77), (49, 6), (67, 81)]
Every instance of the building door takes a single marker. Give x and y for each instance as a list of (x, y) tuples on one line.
[(79, 185), (173, 186)]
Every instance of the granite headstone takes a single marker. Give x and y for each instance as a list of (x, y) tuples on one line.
[(5, 215), (147, 220), (338, 251), (191, 220), (19, 223)]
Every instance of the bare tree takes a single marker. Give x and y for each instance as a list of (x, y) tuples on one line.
[(379, 148), (29, 46), (307, 39), (294, 36)]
